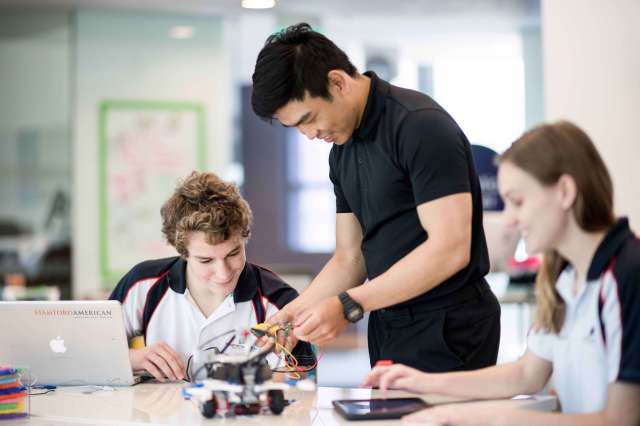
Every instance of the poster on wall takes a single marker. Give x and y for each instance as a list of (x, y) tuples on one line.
[(145, 148)]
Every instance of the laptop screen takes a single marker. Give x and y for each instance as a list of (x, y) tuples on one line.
[(67, 342)]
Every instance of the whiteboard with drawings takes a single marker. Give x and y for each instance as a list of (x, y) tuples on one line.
[(145, 147)]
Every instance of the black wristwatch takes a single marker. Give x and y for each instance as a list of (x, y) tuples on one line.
[(352, 310)]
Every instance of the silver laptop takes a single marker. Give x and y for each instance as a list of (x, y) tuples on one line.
[(67, 343)]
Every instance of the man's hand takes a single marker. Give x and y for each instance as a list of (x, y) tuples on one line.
[(283, 316), (322, 322), (159, 359), (287, 340)]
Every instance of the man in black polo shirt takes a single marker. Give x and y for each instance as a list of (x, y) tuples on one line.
[(409, 210)]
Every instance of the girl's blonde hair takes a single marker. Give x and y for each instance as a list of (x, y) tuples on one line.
[(547, 152)]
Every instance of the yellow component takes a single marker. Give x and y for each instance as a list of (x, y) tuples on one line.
[(264, 328), (136, 342)]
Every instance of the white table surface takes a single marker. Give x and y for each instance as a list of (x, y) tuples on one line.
[(156, 403)]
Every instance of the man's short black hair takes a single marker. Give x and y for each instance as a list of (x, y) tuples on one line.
[(292, 62)]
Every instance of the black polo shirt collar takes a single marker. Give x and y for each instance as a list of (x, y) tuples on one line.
[(374, 107), (247, 286), (610, 245), (177, 275), (244, 291)]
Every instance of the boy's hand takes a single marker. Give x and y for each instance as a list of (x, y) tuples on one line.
[(159, 359)]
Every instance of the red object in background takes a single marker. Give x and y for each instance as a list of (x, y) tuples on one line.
[(530, 264), (524, 271), (16, 279)]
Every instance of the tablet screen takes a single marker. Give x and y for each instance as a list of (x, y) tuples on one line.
[(390, 408)]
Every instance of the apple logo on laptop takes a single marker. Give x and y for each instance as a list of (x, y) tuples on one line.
[(57, 345)]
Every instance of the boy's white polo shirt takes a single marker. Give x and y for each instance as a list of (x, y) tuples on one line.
[(157, 305), (599, 342), (179, 320)]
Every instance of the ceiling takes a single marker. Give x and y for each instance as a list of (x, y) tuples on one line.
[(509, 9)]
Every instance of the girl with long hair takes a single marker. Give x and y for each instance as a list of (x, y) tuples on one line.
[(586, 330)]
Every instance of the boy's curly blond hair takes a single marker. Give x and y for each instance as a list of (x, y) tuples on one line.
[(205, 203)]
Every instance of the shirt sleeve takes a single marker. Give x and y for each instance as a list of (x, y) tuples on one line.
[(629, 305), (435, 155), (540, 343), (132, 300), (341, 202)]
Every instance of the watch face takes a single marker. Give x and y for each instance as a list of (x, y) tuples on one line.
[(355, 314)]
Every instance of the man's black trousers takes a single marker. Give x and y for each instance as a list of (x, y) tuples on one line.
[(456, 332)]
